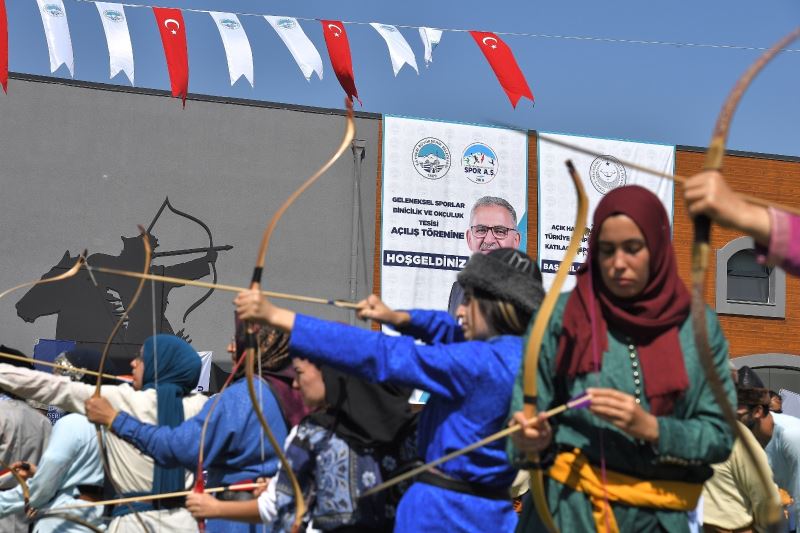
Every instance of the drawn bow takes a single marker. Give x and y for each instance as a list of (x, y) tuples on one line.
[(167, 205), (104, 356), (534, 345), (251, 346), (700, 253)]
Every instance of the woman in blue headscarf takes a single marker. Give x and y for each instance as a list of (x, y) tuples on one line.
[(164, 376), (171, 367), (235, 451)]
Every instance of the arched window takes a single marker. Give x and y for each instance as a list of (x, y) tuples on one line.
[(745, 287), (777, 370), (748, 281)]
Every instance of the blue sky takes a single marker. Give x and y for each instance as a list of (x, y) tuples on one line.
[(647, 92)]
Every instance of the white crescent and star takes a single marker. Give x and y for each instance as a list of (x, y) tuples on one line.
[(337, 31), (486, 40), (175, 29)]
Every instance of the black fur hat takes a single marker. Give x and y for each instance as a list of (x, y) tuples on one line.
[(507, 274), (750, 390)]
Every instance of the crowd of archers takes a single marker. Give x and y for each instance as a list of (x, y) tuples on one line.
[(648, 450)]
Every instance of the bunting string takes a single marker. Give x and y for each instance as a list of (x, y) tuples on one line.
[(239, 54), (615, 40)]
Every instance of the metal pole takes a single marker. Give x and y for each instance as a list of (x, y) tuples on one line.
[(358, 156)]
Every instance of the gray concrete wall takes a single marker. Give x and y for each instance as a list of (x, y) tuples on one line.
[(81, 166)]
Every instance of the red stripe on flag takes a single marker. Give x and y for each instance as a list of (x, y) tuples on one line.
[(505, 67), (339, 52), (173, 37), (3, 47)]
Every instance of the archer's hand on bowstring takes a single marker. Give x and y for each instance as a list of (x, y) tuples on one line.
[(373, 308), (707, 194), (535, 436), (100, 411), (252, 306), (621, 410)]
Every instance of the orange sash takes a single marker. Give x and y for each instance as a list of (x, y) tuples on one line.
[(573, 469)]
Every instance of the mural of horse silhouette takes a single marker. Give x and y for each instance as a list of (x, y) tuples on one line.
[(88, 312)]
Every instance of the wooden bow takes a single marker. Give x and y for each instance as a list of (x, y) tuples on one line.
[(64, 275), (700, 253), (104, 356), (26, 493), (534, 345), (347, 139), (251, 342)]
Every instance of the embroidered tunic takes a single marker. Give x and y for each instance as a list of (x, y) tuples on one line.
[(690, 439)]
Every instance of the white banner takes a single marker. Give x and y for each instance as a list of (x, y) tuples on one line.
[(237, 46), (433, 173), (430, 39), (300, 46), (115, 26), (399, 50), (56, 29), (557, 200), (206, 358)]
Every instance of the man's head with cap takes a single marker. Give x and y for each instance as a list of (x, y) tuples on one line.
[(753, 405)]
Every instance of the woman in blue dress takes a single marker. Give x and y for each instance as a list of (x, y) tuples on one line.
[(468, 369)]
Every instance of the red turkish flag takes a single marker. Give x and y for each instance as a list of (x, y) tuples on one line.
[(173, 37), (3, 47), (505, 67), (339, 52)]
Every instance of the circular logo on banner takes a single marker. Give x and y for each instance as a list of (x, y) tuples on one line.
[(230, 24), (607, 173), (54, 10), (113, 15), (431, 158), (480, 163), (286, 24)]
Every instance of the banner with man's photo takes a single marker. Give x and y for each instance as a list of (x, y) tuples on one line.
[(600, 174), (434, 173)]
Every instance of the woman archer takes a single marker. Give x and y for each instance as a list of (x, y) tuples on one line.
[(469, 371), (642, 450)]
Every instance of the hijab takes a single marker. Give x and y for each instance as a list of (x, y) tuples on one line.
[(364, 414), (177, 366), (651, 318), (276, 368)]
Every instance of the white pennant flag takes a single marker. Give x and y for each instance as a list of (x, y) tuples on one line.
[(237, 46), (298, 43), (399, 50), (430, 38), (120, 51), (59, 44)]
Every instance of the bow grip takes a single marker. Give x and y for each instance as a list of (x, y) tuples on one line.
[(257, 273)]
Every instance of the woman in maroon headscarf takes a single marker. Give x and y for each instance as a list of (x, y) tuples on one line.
[(644, 446)]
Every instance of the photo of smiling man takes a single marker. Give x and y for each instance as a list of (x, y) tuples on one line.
[(492, 225)]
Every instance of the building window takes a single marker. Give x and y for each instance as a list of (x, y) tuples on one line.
[(745, 287), (778, 371)]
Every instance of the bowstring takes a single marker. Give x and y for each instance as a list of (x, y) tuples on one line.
[(155, 355), (261, 401), (598, 383)]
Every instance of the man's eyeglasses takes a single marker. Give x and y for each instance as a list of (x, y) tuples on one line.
[(500, 232)]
